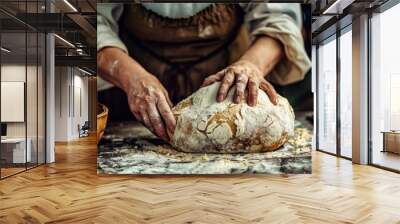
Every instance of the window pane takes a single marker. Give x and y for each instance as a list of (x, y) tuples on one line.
[(385, 88), (41, 98), (346, 94), (327, 97), (31, 97)]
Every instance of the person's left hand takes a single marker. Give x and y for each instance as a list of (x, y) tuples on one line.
[(242, 74)]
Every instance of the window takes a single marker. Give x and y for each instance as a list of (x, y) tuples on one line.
[(327, 96), (385, 87), (22, 78), (346, 94), (329, 113)]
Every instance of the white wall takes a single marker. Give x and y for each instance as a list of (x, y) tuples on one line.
[(70, 84), (61, 103), (80, 111), (14, 73)]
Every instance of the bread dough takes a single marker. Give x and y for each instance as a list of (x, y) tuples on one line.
[(204, 125)]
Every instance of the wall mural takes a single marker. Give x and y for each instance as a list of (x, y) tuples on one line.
[(201, 88)]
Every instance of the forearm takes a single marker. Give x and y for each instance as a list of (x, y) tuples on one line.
[(264, 53), (118, 68)]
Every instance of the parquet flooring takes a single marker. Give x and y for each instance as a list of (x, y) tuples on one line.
[(10, 171), (69, 191)]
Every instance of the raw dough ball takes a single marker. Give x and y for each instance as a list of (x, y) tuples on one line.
[(204, 125)]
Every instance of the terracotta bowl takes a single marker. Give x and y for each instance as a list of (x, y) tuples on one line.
[(102, 115)]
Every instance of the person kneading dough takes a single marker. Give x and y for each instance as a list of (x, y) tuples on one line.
[(160, 53)]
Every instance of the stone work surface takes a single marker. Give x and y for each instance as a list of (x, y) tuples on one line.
[(129, 148)]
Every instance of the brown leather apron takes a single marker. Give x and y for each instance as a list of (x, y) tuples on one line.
[(181, 53)]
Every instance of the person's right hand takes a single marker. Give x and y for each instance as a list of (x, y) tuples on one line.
[(150, 104), (147, 98)]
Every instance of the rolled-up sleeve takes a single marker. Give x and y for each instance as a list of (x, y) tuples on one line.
[(108, 15), (281, 21)]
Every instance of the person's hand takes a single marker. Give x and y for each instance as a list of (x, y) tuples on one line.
[(150, 104), (147, 98), (241, 75)]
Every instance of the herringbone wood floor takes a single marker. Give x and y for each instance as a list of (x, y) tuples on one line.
[(70, 191)]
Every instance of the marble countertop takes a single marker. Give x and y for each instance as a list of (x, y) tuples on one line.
[(129, 148)]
